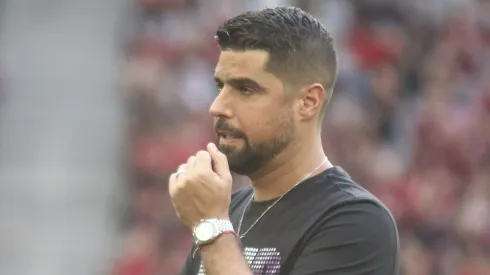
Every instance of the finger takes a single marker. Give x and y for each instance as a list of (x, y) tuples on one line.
[(203, 160), (175, 181), (190, 162), (178, 174), (182, 168), (172, 184), (220, 162)]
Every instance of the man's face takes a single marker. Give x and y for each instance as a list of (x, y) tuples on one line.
[(254, 120)]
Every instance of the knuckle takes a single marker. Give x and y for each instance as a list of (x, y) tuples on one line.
[(184, 181), (202, 153), (179, 190), (200, 175), (222, 156)]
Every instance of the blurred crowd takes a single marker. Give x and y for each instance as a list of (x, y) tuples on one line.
[(409, 120)]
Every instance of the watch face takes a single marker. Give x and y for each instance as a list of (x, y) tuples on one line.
[(204, 231)]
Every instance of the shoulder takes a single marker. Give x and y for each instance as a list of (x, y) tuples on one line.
[(334, 188), (353, 223), (353, 203), (358, 237), (366, 217)]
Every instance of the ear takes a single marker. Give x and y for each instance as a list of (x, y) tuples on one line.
[(311, 99)]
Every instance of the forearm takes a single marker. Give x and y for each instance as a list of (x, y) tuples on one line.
[(224, 256)]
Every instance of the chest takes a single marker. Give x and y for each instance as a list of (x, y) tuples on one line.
[(272, 238), (266, 253)]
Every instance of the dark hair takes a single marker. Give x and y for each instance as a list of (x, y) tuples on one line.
[(300, 49)]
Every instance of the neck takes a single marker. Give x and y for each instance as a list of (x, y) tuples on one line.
[(288, 168)]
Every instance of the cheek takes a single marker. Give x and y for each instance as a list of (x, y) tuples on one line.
[(257, 125), (264, 118), (265, 126), (257, 128)]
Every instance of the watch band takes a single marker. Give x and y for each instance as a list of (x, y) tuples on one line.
[(223, 226)]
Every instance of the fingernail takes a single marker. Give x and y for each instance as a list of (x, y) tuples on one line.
[(212, 146)]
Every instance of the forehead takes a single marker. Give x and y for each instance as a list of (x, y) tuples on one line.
[(244, 64)]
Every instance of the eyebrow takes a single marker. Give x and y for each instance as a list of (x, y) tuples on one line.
[(241, 81)]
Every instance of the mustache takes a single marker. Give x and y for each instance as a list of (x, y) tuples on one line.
[(222, 125)]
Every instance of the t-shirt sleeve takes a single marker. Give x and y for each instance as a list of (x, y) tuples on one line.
[(354, 239)]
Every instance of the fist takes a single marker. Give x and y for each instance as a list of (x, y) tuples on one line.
[(201, 188)]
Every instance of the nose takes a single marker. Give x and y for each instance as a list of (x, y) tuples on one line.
[(221, 106)]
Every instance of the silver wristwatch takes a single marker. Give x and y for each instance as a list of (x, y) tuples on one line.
[(210, 229)]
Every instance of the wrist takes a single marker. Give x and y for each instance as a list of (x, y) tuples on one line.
[(209, 230), (222, 240), (192, 225)]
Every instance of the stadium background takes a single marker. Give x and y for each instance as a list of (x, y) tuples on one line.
[(409, 120)]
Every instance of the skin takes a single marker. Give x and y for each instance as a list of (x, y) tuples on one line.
[(259, 113)]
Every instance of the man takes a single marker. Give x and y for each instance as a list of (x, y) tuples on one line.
[(302, 215)]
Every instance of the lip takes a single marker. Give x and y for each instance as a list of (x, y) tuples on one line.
[(229, 140), (227, 134)]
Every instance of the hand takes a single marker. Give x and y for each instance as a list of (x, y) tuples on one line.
[(201, 188)]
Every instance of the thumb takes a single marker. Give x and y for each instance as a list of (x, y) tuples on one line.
[(220, 162)]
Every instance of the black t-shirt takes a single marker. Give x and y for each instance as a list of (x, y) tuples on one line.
[(327, 225)]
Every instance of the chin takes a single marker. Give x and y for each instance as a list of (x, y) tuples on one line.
[(242, 168)]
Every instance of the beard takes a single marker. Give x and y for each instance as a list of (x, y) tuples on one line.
[(253, 156)]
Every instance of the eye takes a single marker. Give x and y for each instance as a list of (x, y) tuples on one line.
[(219, 87), (243, 89)]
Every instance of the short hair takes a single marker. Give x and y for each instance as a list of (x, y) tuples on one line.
[(301, 50)]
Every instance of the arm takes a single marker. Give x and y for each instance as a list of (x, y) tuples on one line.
[(224, 257), (354, 239), (201, 189)]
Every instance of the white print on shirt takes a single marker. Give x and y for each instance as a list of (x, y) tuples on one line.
[(262, 261)]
